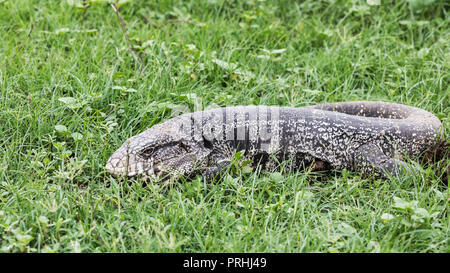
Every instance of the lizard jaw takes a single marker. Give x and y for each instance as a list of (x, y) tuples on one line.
[(123, 164)]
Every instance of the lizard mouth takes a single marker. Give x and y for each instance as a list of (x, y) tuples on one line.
[(116, 167), (133, 166), (161, 169)]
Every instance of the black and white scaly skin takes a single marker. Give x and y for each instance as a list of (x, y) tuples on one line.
[(370, 137)]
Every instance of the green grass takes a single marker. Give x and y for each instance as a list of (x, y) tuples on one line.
[(74, 89)]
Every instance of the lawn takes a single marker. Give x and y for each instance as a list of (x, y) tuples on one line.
[(77, 78)]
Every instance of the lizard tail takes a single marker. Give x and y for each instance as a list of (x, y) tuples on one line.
[(387, 110), (369, 158)]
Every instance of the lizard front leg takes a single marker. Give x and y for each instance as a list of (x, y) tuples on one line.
[(218, 163)]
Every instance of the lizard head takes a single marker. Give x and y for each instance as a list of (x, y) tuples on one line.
[(149, 154)]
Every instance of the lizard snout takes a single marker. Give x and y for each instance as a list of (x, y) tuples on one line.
[(126, 163), (117, 163)]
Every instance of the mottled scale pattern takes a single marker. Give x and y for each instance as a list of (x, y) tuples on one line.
[(367, 136)]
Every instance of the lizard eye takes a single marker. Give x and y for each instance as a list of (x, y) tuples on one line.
[(147, 152), (161, 152)]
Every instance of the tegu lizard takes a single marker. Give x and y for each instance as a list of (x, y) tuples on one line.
[(366, 136)]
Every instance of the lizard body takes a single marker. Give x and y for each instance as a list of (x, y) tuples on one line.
[(370, 137)]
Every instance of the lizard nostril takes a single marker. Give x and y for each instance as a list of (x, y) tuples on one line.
[(117, 163), (115, 166)]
